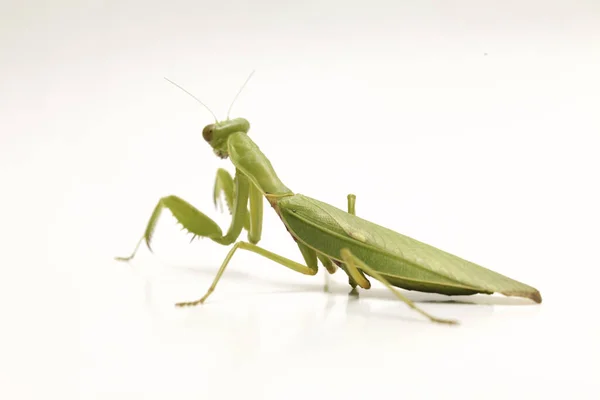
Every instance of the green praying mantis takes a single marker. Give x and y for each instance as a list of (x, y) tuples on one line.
[(324, 234)]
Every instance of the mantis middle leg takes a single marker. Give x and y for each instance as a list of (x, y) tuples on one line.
[(311, 269)]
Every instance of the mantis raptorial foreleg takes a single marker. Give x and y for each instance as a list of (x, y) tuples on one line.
[(353, 264), (256, 215), (286, 262), (224, 184), (201, 225)]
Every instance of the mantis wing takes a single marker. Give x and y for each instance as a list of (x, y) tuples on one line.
[(405, 262)]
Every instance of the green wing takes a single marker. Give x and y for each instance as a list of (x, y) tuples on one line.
[(405, 262)]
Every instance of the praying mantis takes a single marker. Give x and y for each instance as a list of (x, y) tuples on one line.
[(324, 234)]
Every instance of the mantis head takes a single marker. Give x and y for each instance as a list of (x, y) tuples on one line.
[(217, 134)]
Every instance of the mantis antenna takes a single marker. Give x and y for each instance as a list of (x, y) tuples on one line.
[(238, 93), (195, 98)]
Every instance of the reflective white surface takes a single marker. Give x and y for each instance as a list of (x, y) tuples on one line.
[(470, 127)]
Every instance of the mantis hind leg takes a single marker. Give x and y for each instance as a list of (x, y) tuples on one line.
[(353, 264), (352, 204), (286, 262), (355, 277)]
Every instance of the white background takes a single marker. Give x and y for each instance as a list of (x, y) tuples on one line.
[(468, 125)]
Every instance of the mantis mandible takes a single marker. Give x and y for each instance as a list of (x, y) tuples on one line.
[(324, 234)]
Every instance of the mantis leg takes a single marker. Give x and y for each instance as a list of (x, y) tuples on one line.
[(326, 261), (353, 264), (310, 257), (224, 183), (356, 277), (256, 215), (198, 223), (329, 265), (286, 262), (351, 204)]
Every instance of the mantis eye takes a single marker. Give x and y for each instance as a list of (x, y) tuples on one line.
[(207, 132)]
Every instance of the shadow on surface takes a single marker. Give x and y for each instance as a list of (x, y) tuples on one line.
[(339, 288)]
